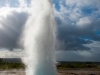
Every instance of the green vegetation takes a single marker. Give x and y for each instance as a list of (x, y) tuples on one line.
[(7, 65), (78, 65), (61, 65)]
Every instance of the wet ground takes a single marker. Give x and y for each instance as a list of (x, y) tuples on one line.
[(60, 72)]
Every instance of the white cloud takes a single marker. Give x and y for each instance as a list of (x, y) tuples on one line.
[(4, 53), (62, 14), (12, 20), (84, 21), (75, 15), (71, 11), (9, 16), (68, 14), (83, 2), (23, 4)]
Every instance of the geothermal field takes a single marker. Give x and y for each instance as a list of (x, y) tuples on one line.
[(63, 68), (38, 42), (63, 72)]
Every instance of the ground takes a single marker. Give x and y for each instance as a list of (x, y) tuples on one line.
[(60, 72), (63, 68)]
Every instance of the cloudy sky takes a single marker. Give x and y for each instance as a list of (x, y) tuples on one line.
[(78, 28)]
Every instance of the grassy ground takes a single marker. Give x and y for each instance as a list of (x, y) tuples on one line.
[(60, 66), (78, 66), (7, 65)]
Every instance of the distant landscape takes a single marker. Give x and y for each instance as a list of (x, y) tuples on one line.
[(10, 66), (61, 65), (5, 64)]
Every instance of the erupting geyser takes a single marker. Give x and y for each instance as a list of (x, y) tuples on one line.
[(39, 38)]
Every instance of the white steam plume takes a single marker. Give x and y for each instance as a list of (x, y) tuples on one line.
[(39, 38)]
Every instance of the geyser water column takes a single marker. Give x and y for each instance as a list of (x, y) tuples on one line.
[(39, 38)]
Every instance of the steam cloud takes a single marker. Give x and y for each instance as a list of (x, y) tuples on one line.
[(39, 37)]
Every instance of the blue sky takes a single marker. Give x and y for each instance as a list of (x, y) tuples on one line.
[(78, 27)]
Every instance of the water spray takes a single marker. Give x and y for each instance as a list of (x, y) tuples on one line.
[(39, 38)]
